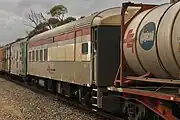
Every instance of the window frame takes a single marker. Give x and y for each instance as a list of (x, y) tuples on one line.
[(33, 55), (30, 56), (37, 55)]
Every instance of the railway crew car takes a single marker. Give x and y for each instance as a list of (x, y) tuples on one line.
[(18, 57), (77, 53)]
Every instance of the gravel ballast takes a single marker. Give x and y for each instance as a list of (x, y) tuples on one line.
[(19, 103)]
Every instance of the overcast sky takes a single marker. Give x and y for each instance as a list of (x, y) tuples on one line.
[(13, 12)]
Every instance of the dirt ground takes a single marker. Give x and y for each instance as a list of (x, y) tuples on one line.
[(19, 103), (8, 111)]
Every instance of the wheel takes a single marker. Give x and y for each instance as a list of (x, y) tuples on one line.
[(134, 111)]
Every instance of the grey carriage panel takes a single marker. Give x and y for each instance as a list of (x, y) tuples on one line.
[(72, 72), (39, 69)]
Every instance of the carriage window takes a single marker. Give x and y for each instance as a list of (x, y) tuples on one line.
[(41, 55), (85, 48), (45, 54), (37, 55), (33, 56), (16, 64), (29, 56)]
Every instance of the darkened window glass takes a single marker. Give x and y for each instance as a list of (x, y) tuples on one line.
[(33, 56), (41, 55), (37, 55), (16, 55), (85, 48), (45, 54), (30, 56)]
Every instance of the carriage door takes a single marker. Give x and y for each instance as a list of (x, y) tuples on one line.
[(94, 54), (9, 58), (23, 58)]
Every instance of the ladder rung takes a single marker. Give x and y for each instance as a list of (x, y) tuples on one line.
[(94, 97), (94, 89), (95, 105)]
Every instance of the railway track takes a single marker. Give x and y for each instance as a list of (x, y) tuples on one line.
[(40, 90)]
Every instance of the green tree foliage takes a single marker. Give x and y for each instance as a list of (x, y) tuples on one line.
[(53, 22), (58, 12), (69, 19), (82, 17), (40, 23), (65, 21), (37, 30)]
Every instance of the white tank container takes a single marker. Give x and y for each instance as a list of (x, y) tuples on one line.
[(129, 44), (156, 46), (147, 40), (168, 40), (144, 57)]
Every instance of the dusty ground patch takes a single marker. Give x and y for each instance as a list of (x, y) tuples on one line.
[(19, 103)]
